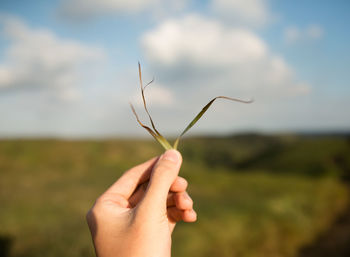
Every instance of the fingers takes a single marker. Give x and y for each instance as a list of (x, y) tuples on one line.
[(163, 176), (180, 184), (176, 215), (128, 182), (180, 207), (181, 201)]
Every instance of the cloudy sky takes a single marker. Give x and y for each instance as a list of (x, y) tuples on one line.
[(68, 68)]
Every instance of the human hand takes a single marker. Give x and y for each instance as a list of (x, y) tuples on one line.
[(136, 216)]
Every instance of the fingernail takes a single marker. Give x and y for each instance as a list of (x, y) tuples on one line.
[(187, 197), (171, 155)]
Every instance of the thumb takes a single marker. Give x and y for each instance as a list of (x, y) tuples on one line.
[(163, 175)]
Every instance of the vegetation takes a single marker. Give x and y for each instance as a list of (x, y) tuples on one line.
[(255, 195)]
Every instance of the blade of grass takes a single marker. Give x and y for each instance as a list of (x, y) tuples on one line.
[(157, 137), (144, 100), (144, 88), (200, 114)]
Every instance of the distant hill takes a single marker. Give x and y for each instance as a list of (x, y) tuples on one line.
[(307, 153)]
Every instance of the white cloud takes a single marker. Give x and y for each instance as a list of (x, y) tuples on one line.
[(203, 52), (251, 12), (314, 31), (69, 94), (311, 32), (85, 9), (37, 58), (199, 58), (201, 42), (291, 34)]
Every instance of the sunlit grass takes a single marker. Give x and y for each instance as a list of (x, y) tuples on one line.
[(47, 186)]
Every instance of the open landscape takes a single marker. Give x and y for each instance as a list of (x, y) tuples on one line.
[(255, 195), (253, 93)]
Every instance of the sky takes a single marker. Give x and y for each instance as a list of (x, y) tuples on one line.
[(69, 68)]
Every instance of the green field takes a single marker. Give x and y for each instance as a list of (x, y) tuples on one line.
[(254, 195)]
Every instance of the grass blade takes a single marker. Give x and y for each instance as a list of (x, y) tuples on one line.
[(200, 114), (157, 137), (144, 101)]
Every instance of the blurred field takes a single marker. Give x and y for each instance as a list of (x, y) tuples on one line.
[(255, 195)]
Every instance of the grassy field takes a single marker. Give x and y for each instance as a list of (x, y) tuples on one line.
[(255, 195)]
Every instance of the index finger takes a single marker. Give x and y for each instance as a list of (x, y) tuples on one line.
[(128, 182)]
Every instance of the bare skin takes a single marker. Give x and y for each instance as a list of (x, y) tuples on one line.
[(136, 216)]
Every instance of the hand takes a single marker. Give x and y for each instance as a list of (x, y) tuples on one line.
[(135, 217)]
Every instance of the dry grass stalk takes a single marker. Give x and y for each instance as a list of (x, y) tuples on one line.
[(155, 133)]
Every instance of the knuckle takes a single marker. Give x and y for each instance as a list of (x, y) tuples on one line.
[(98, 202), (177, 201), (187, 197), (95, 208), (88, 216), (190, 204), (183, 201)]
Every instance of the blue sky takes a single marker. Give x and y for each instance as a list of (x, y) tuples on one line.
[(69, 68)]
